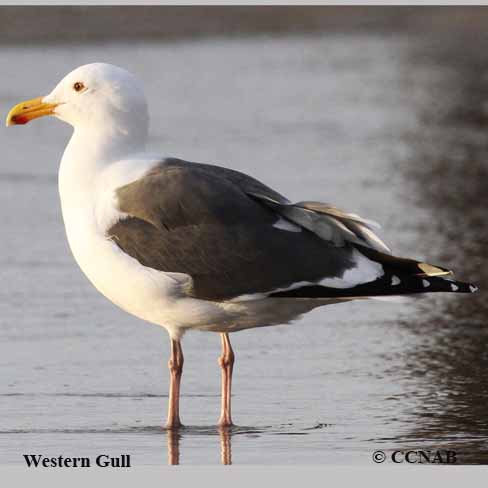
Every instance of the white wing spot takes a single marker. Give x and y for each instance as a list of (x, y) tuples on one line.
[(283, 224), (364, 271), (425, 283), (395, 280), (473, 288), (454, 287)]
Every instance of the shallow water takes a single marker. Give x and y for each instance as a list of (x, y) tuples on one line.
[(389, 127)]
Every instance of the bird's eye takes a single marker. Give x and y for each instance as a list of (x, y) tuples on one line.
[(78, 86)]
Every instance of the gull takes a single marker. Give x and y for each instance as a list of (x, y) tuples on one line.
[(197, 246)]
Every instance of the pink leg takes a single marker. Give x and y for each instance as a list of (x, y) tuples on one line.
[(226, 362), (175, 365)]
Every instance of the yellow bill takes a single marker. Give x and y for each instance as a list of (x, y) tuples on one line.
[(29, 110)]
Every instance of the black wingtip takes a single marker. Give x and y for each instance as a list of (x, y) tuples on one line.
[(390, 284), (445, 284)]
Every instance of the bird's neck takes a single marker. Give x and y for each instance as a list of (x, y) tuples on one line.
[(91, 150), (103, 145), (88, 153)]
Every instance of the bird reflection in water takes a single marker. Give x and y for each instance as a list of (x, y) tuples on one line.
[(173, 442), (225, 445)]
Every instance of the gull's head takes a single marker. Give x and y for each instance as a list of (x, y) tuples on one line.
[(93, 95)]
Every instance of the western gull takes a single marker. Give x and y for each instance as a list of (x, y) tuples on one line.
[(196, 246)]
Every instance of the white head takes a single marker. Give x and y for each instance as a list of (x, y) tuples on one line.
[(97, 95)]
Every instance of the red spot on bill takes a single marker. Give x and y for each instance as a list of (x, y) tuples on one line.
[(20, 119)]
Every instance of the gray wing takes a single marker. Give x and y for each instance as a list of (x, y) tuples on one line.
[(327, 221), (208, 222)]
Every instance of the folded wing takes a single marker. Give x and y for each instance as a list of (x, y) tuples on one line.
[(209, 223)]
